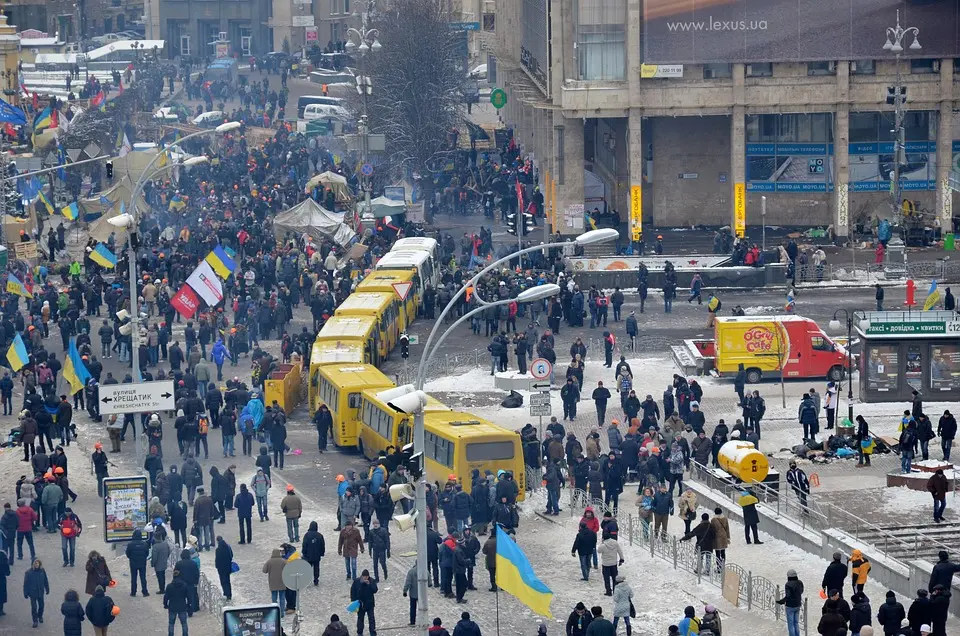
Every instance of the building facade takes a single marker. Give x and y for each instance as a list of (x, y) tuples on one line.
[(192, 27), (707, 116)]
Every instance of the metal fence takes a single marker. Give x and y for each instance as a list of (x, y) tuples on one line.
[(756, 593)]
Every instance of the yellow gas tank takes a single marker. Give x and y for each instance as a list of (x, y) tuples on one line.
[(743, 461)]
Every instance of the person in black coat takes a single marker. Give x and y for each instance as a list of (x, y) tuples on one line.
[(920, 612), (466, 627), (73, 614), (4, 573), (835, 575), (890, 614), (100, 608), (243, 502), (36, 586), (190, 574), (313, 549), (939, 609), (137, 552), (218, 492), (943, 572), (223, 561), (364, 590), (323, 420), (578, 621), (860, 614), (178, 600)]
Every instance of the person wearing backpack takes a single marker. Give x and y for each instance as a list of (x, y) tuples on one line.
[(203, 427), (70, 529), (710, 623)]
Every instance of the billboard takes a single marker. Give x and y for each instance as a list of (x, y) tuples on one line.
[(252, 620), (710, 31), (124, 507)]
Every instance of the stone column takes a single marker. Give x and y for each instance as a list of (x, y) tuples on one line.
[(738, 153), (568, 150), (840, 199), (945, 147)]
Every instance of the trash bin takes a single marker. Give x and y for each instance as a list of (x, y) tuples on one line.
[(948, 241)]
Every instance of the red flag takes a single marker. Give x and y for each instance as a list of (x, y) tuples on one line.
[(97, 99), (120, 85), (185, 302), (36, 101), (55, 118), (519, 198)]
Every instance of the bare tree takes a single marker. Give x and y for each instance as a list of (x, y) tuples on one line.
[(417, 96)]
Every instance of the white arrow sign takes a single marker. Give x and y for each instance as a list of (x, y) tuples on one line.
[(144, 397), (540, 386)]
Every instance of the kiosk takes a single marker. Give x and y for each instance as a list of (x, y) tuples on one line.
[(903, 351)]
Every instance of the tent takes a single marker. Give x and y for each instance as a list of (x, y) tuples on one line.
[(382, 206), (332, 180), (120, 191), (309, 217)]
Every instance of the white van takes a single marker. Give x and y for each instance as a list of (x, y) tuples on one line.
[(325, 111), (418, 260), (419, 244)]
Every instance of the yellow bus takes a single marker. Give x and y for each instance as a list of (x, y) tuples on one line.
[(339, 387), (383, 280), (456, 442), (383, 306), (362, 329), (330, 352), (382, 426)]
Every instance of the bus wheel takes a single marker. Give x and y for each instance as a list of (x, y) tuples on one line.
[(753, 376), (836, 373)]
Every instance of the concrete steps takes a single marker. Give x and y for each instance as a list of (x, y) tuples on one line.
[(913, 541)]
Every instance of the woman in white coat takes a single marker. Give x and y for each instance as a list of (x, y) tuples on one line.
[(622, 595)]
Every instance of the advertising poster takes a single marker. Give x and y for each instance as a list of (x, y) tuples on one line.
[(883, 368), (251, 620), (698, 31), (945, 367), (124, 507)]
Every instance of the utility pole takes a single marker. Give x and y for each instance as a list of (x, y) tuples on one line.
[(364, 40), (897, 97)]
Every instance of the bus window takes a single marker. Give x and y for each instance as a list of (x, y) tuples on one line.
[(353, 400), (440, 450), (489, 451), (403, 432)]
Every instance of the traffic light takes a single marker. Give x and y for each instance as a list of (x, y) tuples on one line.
[(109, 170), (512, 224), (529, 223), (404, 346)]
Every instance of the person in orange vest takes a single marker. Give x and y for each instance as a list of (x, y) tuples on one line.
[(324, 89)]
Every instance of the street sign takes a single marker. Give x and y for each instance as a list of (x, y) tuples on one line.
[(541, 368), (498, 97), (297, 575), (541, 410), (366, 170), (142, 397), (402, 290), (539, 399), (540, 385), (311, 34), (464, 26), (413, 339)]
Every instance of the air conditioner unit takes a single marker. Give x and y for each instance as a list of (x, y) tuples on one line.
[(935, 66), (749, 70), (709, 73)]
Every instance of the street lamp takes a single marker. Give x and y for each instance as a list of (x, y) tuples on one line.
[(894, 43), (131, 222), (836, 325), (533, 294)]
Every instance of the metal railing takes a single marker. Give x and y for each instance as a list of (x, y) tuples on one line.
[(210, 595), (756, 593), (945, 271)]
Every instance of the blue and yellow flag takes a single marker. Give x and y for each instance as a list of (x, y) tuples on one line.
[(43, 120), (221, 263), (17, 354), (14, 286), (46, 202), (515, 576), (70, 212), (590, 220), (933, 297), (102, 256), (74, 370)]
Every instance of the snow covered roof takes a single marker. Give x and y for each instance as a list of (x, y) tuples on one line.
[(35, 42), (123, 45)]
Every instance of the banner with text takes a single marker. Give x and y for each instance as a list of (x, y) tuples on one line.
[(124, 507)]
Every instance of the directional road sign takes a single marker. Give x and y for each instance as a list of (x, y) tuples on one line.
[(539, 399), (540, 385), (143, 397), (541, 368)]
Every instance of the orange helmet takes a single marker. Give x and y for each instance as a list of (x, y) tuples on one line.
[(58, 470), (341, 478)]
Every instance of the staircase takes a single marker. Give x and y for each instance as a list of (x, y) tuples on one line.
[(915, 541)]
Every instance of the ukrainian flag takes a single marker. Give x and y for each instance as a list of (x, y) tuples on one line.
[(74, 370), (46, 202), (515, 575), (933, 297), (14, 286), (17, 354), (221, 263), (70, 212), (103, 256), (43, 120), (590, 220)]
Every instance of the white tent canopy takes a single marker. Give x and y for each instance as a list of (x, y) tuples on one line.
[(310, 218)]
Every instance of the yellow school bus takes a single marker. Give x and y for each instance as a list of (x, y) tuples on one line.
[(383, 280), (456, 442), (339, 387), (362, 329), (382, 426), (383, 306), (326, 352)]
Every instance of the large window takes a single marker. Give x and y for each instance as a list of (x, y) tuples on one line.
[(882, 365), (439, 449), (601, 39), (790, 152), (872, 148)]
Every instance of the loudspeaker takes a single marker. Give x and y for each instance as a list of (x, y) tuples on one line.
[(407, 521), (401, 491), (126, 329), (123, 314)]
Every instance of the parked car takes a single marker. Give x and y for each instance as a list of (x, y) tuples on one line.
[(479, 72)]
